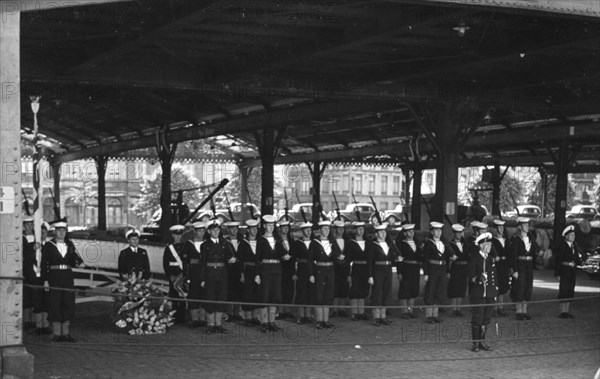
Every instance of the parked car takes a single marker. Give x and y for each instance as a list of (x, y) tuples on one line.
[(366, 211), (222, 214), (393, 215), (528, 210), (295, 215), (588, 212), (592, 265)]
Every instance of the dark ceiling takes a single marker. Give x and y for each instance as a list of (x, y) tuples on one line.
[(350, 81)]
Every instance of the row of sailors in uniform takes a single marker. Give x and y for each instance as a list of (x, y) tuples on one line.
[(304, 271), (293, 266)]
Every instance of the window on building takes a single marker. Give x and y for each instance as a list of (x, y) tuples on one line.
[(383, 205), (357, 185), (371, 184), (345, 184), (396, 185), (325, 186), (72, 212), (305, 190), (384, 184), (114, 211)]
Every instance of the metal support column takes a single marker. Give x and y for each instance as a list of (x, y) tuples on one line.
[(166, 154), (15, 361), (316, 171), (56, 190), (562, 173), (101, 162)]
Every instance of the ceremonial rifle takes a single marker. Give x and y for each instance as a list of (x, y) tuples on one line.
[(229, 208), (337, 206), (377, 215), (286, 209), (301, 209), (206, 200), (356, 210)]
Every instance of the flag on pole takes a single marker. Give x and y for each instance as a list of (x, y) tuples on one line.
[(38, 189)]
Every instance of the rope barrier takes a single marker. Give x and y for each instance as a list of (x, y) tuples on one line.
[(118, 295), (338, 344)]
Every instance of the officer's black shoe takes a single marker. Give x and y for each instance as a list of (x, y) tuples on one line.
[(563, 315), (437, 320), (56, 338), (264, 328), (68, 338), (475, 336), (328, 325), (354, 317), (221, 329), (412, 315), (430, 320), (320, 325), (364, 316), (256, 322), (377, 322), (519, 316), (386, 321), (526, 316), (300, 321), (274, 327), (570, 316)]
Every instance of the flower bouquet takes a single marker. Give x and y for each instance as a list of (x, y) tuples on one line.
[(142, 308)]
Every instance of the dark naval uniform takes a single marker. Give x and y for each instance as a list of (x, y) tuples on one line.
[(213, 272), (483, 289), (457, 284), (567, 258), (303, 286), (31, 298), (288, 268), (502, 265), (358, 257), (379, 266), (250, 290), (522, 261), (269, 269), (342, 271), (434, 266), (410, 269), (56, 269), (234, 272), (191, 251), (320, 264), (174, 264), (133, 263)]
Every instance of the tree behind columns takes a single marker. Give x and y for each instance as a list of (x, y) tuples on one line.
[(268, 145), (448, 126), (166, 154), (316, 171)]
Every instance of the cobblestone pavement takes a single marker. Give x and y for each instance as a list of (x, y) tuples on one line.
[(545, 347)]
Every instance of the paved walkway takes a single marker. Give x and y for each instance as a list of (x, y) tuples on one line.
[(545, 347)]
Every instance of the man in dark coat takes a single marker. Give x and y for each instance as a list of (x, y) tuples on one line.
[(133, 260), (483, 289), (568, 257)]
